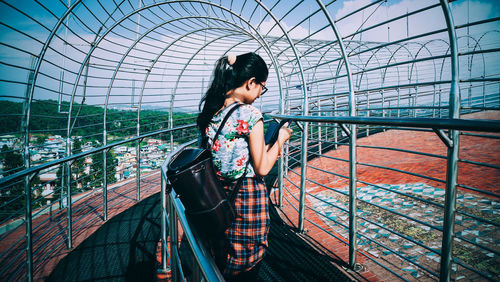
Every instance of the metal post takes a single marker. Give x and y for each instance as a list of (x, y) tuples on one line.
[(68, 195), (352, 198), (27, 164), (281, 161), (452, 157), (138, 173), (303, 171), (352, 145), (368, 113), (171, 120), (335, 129), (173, 241), (29, 239), (319, 125), (105, 182), (163, 223)]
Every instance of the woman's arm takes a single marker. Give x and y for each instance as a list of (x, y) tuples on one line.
[(264, 156)]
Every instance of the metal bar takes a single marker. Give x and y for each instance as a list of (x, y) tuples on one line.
[(163, 222), (452, 163), (104, 179), (281, 162), (449, 123), (442, 135), (29, 235), (138, 161), (69, 205), (174, 266), (86, 153), (345, 129), (352, 145)]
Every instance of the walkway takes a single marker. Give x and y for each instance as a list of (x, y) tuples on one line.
[(49, 230), (124, 249), (320, 198)]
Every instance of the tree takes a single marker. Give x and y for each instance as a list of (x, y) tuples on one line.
[(96, 169), (40, 140), (13, 199), (78, 167), (13, 195)]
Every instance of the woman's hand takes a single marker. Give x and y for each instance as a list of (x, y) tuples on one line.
[(263, 155), (285, 133)]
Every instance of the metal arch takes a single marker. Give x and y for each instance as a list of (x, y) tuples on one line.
[(188, 62), (291, 44), (401, 46), (131, 47), (204, 2), (162, 53), (142, 92), (305, 109), (374, 54), (232, 13), (271, 55), (323, 55), (139, 110), (26, 124), (352, 145), (423, 46), (382, 73), (452, 156), (27, 114), (482, 55)]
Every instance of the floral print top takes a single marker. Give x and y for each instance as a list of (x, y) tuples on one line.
[(230, 151)]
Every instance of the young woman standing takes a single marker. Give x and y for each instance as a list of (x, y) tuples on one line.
[(241, 80)]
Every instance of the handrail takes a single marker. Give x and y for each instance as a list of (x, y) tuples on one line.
[(203, 258), (38, 168), (437, 123)]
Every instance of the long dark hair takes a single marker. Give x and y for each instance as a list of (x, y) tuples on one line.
[(225, 78)]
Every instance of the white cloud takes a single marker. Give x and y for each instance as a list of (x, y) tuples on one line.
[(419, 23)]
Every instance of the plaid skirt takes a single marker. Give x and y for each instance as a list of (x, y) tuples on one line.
[(246, 239)]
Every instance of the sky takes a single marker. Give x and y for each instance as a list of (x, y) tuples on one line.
[(464, 11)]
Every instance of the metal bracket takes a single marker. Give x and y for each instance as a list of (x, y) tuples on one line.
[(31, 177), (358, 267), (305, 231), (442, 135), (345, 129)]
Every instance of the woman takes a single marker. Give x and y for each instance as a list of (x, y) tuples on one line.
[(241, 79)]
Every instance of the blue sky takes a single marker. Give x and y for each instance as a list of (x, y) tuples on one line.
[(463, 11)]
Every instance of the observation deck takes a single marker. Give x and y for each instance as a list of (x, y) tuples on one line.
[(391, 174)]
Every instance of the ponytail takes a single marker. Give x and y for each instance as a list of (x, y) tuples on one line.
[(226, 77)]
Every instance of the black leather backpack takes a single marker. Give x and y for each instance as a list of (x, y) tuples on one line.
[(192, 175)]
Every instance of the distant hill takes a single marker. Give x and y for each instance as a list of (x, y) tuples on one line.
[(86, 120)]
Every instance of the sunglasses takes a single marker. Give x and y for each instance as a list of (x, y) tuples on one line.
[(264, 89)]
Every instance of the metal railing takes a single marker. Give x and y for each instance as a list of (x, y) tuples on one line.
[(173, 214), (68, 215), (365, 207)]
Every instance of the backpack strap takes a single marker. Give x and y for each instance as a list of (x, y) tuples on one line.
[(224, 121), (236, 187)]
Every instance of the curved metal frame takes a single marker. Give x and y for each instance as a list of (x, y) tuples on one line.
[(292, 59)]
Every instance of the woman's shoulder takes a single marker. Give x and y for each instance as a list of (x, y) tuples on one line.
[(249, 110)]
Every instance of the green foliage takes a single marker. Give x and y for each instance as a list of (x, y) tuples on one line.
[(88, 121), (13, 199), (97, 172)]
